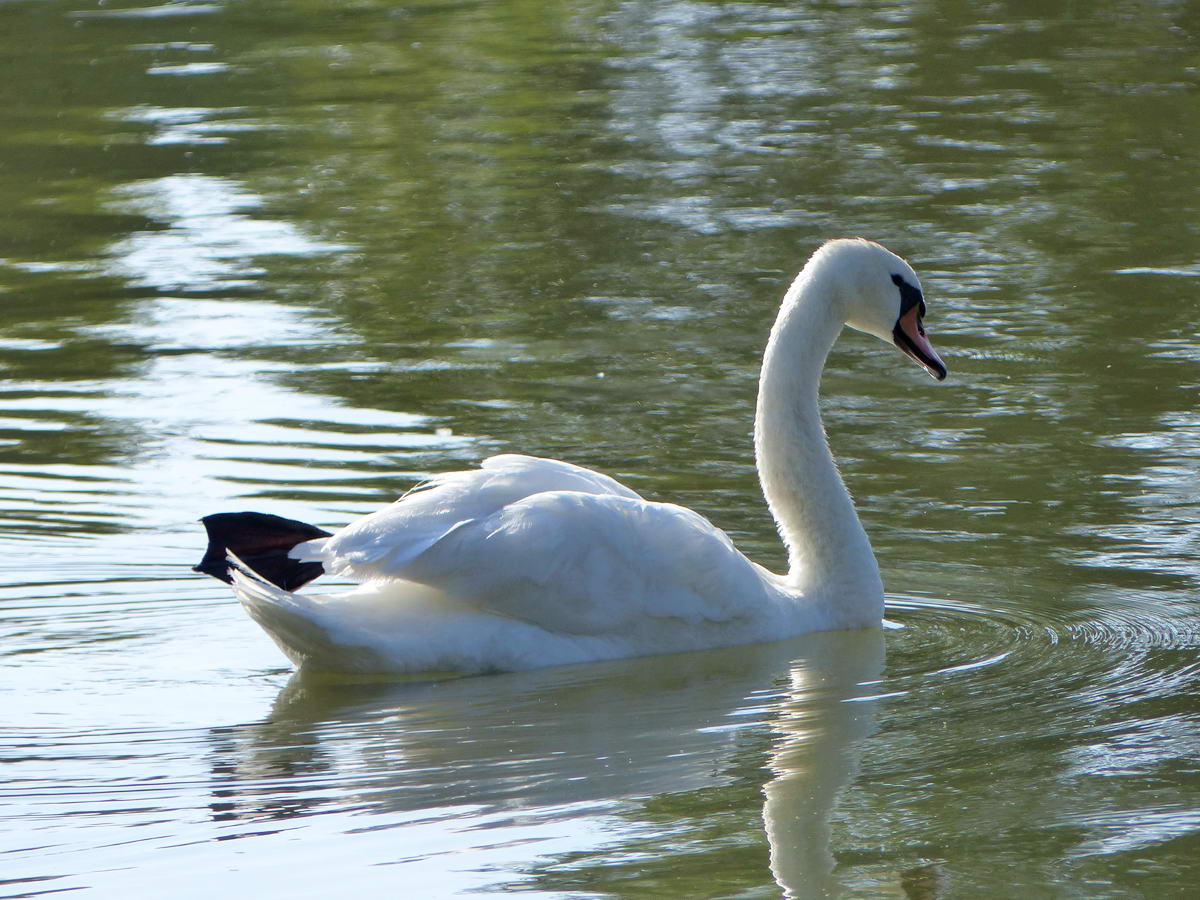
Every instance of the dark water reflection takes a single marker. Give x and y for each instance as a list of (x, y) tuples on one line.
[(298, 256)]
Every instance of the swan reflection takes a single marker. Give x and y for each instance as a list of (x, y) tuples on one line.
[(629, 743), (820, 721)]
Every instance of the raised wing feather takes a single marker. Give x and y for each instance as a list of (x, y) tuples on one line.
[(552, 544), (592, 563), (384, 543)]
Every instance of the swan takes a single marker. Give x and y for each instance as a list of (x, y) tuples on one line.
[(528, 562)]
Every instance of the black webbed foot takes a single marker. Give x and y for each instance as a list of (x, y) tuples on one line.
[(262, 542)]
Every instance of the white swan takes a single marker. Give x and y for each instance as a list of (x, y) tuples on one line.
[(529, 562)]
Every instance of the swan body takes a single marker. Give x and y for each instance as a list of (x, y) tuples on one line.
[(528, 562)]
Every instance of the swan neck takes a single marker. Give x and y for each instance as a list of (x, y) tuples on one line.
[(828, 550)]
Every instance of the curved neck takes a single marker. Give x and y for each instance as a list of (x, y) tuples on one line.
[(828, 551)]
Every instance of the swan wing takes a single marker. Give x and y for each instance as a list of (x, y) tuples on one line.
[(593, 563), (383, 544)]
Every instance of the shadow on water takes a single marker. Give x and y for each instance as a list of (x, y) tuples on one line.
[(629, 739)]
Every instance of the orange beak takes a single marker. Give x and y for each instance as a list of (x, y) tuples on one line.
[(909, 336)]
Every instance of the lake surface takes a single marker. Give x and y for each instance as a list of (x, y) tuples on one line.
[(298, 256)]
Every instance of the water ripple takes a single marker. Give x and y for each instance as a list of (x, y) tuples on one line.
[(1111, 655)]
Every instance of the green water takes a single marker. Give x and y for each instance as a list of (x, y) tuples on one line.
[(297, 256)]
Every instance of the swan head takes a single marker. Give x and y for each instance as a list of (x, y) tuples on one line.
[(882, 296)]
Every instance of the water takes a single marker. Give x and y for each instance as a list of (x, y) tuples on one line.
[(296, 258)]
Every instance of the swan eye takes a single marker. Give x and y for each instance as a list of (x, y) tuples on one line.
[(909, 296)]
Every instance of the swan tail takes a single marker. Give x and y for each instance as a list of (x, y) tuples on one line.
[(312, 631), (261, 541)]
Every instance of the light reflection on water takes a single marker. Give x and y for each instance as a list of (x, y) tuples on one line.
[(210, 241), (592, 764), (256, 262), (571, 761)]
